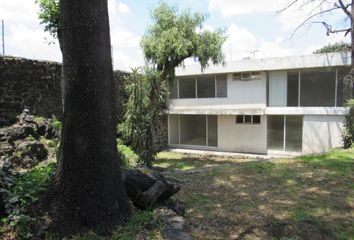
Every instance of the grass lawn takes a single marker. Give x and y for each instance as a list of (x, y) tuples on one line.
[(310, 197)]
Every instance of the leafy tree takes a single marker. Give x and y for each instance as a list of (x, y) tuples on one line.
[(175, 36), (336, 47), (87, 192), (146, 93), (49, 15)]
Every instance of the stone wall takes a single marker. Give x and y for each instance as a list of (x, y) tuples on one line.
[(36, 85), (28, 83)]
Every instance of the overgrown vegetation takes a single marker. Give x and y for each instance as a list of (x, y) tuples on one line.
[(143, 110), (21, 192), (335, 47), (348, 133)]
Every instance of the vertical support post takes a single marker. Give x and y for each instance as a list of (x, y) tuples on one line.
[(299, 90), (284, 134), (216, 85), (336, 89), (168, 129), (206, 130), (177, 79), (179, 129), (196, 87)]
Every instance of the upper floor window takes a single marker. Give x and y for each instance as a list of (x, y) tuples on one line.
[(205, 86), (321, 87), (314, 88)]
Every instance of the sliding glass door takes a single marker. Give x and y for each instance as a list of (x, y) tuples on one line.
[(285, 133)]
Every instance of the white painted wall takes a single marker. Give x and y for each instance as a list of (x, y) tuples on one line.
[(320, 133), (278, 86), (242, 137), (252, 92)]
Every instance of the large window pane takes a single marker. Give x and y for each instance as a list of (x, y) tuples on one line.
[(173, 129), (186, 87), (173, 89), (193, 129), (342, 75), (317, 88), (221, 86), (293, 89), (293, 134), (206, 86), (212, 130), (275, 132)]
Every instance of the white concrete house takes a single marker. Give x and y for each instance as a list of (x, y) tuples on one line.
[(281, 105)]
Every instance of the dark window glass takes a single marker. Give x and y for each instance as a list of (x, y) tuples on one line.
[(343, 75), (256, 119), (293, 89), (206, 86), (275, 132), (186, 87), (193, 129), (317, 88), (212, 130), (248, 118), (293, 133), (221, 86), (239, 119)]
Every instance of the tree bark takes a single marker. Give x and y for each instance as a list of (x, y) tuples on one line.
[(87, 192)]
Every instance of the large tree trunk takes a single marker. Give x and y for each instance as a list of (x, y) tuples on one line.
[(87, 192)]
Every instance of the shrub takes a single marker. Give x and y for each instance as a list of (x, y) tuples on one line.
[(56, 123), (127, 156), (348, 133), (21, 191)]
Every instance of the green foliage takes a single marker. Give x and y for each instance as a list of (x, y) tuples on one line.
[(146, 93), (335, 47), (49, 15), (56, 123), (175, 36), (348, 133), (127, 156), (22, 191)]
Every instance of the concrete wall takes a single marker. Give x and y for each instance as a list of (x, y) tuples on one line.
[(250, 93), (242, 137), (320, 133)]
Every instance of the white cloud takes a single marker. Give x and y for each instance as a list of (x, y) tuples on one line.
[(230, 8), (241, 43), (123, 8), (24, 36), (126, 51)]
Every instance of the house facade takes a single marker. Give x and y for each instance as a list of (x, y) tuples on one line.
[(286, 105)]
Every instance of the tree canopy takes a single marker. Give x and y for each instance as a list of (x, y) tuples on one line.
[(335, 47), (175, 36), (49, 15)]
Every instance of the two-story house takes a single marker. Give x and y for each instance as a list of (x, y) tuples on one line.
[(267, 106)]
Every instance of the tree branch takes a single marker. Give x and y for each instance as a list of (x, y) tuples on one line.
[(344, 8), (311, 17), (289, 5)]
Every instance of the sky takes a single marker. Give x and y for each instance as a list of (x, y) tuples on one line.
[(254, 28)]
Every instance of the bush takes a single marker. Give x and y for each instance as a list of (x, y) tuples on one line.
[(348, 133), (21, 191), (127, 156)]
